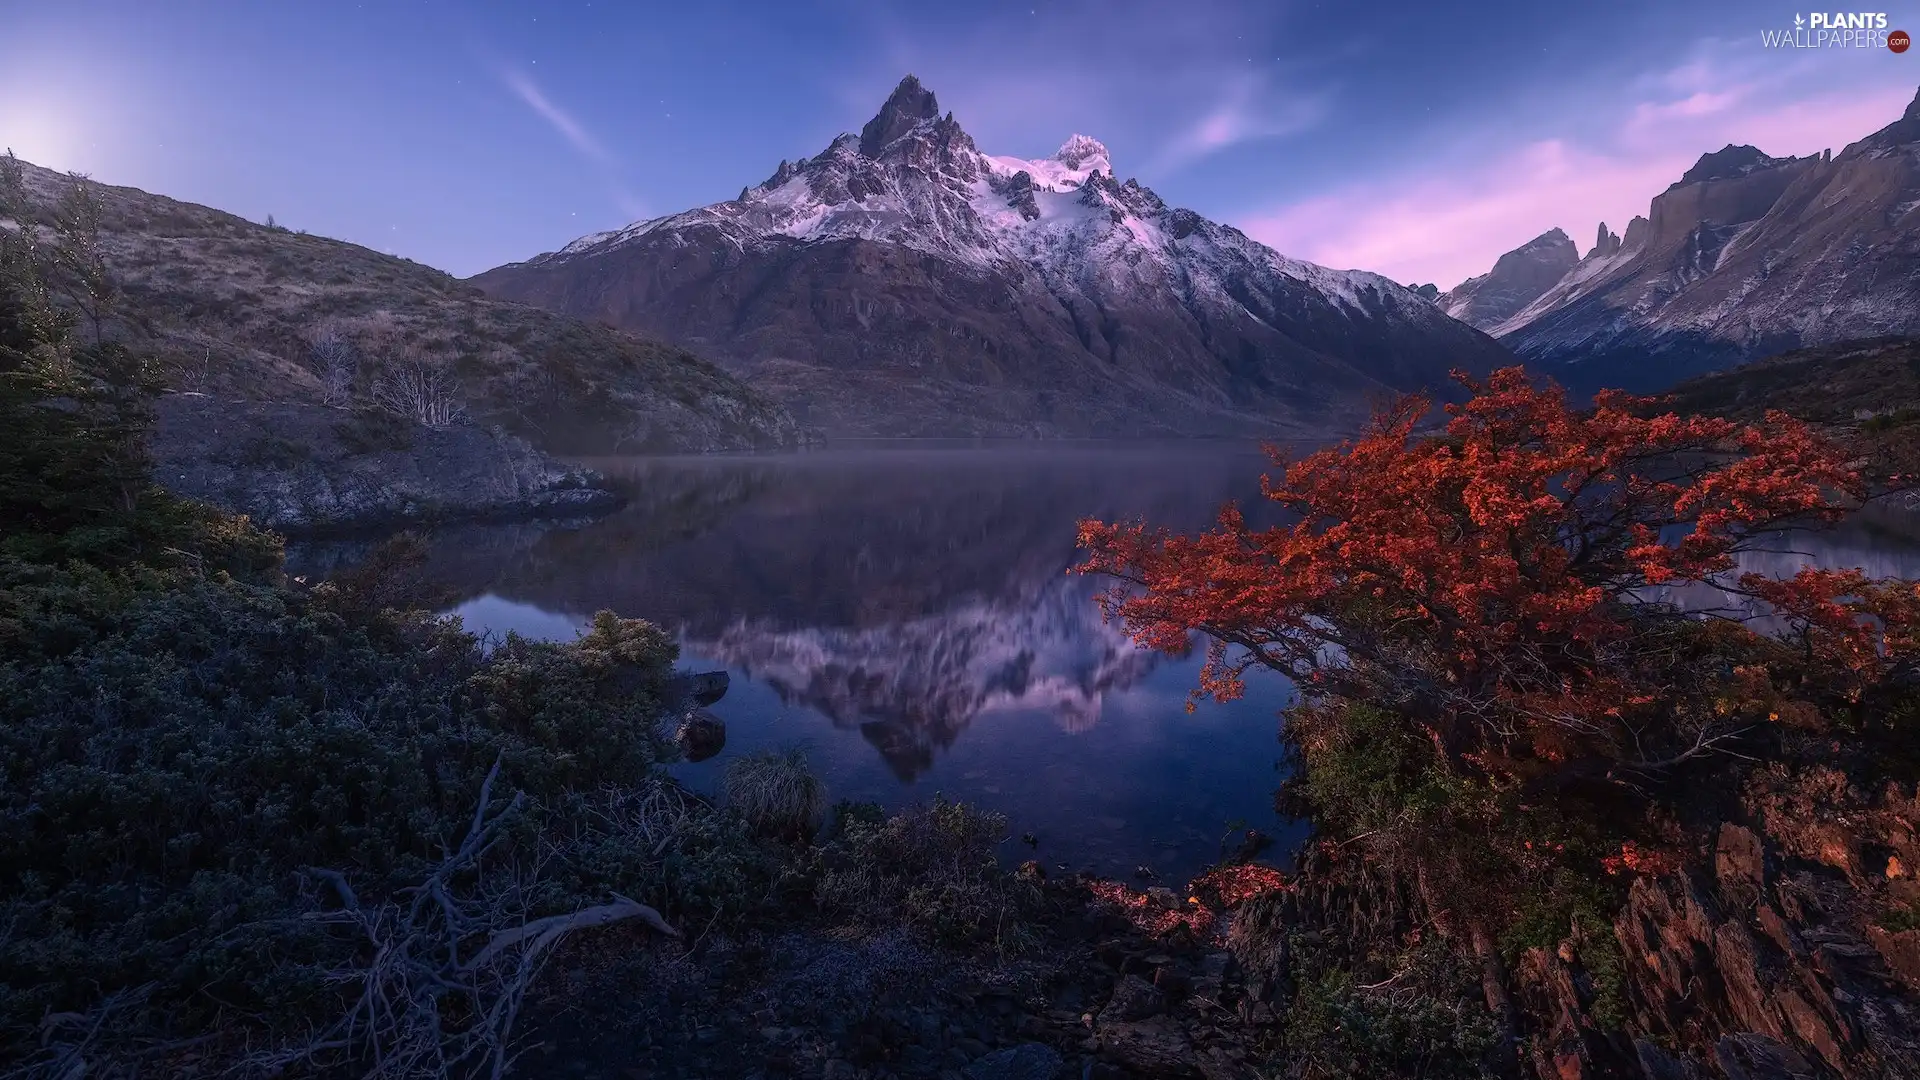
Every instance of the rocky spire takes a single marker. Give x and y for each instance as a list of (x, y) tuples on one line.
[(1913, 109), (1604, 244), (909, 104)]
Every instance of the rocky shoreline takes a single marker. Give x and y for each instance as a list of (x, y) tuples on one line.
[(308, 470), (1754, 966)]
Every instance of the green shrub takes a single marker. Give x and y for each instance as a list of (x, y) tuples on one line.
[(1426, 1020), (267, 452), (1888, 421), (170, 759), (932, 868), (1899, 918)]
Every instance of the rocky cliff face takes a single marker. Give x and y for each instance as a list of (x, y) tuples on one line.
[(1517, 279), (304, 469), (902, 282), (1769, 964), (1746, 255)]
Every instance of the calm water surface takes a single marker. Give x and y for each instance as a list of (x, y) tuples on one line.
[(906, 616)]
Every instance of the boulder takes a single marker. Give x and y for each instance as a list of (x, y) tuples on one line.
[(697, 689), (701, 735)]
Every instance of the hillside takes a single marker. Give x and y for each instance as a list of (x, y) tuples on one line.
[(1851, 382), (232, 308), (903, 282)]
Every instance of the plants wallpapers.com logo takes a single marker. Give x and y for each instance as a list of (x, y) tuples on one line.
[(1838, 30)]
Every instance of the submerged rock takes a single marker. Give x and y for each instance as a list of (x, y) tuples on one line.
[(701, 735)]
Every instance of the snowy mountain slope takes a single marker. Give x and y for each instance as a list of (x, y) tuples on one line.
[(1745, 256), (903, 282)]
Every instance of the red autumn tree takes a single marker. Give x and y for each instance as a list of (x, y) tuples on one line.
[(1494, 584)]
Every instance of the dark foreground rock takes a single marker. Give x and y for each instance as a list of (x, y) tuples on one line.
[(701, 735), (307, 469)]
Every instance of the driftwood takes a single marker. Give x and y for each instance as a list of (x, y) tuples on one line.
[(546, 932), (443, 970)]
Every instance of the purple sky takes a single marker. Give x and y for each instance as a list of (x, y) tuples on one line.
[(1416, 139)]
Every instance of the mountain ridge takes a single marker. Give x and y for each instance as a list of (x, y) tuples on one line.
[(1746, 255), (233, 308), (903, 282)]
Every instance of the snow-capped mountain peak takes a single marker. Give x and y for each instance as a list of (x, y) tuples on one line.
[(1078, 158), (1073, 264), (914, 177)]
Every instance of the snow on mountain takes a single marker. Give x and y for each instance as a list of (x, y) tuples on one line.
[(902, 281), (1744, 256), (1053, 213), (919, 683)]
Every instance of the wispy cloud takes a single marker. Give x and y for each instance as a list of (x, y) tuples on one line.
[(1446, 221), (557, 118), (569, 128), (1246, 111), (1024, 78)]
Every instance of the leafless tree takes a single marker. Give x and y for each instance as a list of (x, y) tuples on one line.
[(420, 387), (443, 970), (336, 361)]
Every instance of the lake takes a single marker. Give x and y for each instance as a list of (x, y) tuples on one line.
[(905, 614)]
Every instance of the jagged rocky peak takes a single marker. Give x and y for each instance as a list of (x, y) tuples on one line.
[(1083, 150), (1728, 163), (1913, 109), (1604, 243), (781, 175), (1019, 189), (908, 105), (1551, 241), (1517, 279)]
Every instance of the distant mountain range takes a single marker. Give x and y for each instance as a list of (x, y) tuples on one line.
[(902, 282), (1744, 256)]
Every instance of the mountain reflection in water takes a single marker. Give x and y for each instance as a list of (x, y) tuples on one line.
[(907, 615)]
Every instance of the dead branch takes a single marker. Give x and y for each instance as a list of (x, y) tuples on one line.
[(417, 1008), (420, 388), (545, 932)]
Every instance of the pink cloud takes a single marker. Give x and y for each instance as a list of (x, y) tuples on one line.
[(1447, 226)]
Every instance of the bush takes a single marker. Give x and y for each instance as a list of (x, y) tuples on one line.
[(373, 431), (306, 826), (776, 794), (1427, 1020), (932, 868), (171, 757)]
